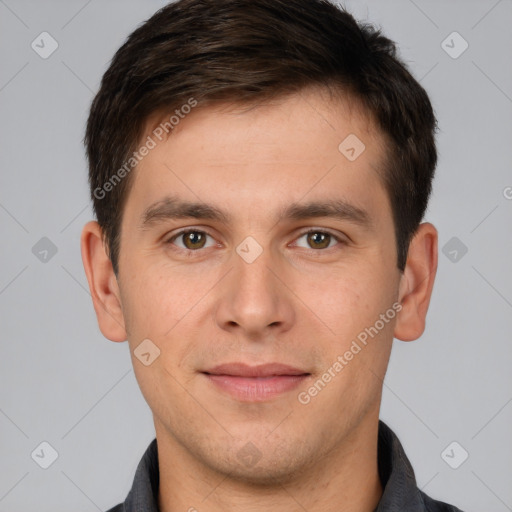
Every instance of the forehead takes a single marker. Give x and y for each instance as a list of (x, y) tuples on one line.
[(311, 109), (231, 151)]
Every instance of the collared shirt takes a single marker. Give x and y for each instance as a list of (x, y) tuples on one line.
[(401, 493)]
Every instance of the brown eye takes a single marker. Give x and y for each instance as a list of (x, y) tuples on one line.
[(318, 239), (191, 240)]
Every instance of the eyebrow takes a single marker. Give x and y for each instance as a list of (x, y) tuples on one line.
[(171, 208)]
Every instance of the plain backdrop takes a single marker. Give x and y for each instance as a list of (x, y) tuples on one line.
[(63, 383)]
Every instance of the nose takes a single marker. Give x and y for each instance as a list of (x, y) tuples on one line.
[(253, 301)]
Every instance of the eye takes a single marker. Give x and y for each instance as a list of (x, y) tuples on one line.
[(317, 239), (191, 239), (195, 239)]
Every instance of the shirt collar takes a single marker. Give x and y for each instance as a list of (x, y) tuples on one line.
[(400, 491), (396, 475), (143, 496)]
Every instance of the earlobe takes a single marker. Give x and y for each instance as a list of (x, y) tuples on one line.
[(416, 283), (102, 283)]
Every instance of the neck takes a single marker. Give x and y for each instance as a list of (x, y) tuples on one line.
[(345, 480)]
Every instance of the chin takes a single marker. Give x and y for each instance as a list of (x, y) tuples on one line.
[(268, 475), (277, 466)]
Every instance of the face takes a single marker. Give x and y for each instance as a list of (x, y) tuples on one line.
[(260, 272)]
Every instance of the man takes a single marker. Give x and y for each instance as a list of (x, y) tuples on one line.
[(259, 171)]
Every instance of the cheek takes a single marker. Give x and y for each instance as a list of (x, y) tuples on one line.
[(171, 308), (352, 301), (142, 304), (359, 309), (154, 299)]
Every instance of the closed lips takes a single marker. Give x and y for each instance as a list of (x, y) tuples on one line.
[(260, 371)]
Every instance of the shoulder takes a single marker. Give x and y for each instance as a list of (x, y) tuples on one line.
[(117, 508), (432, 505)]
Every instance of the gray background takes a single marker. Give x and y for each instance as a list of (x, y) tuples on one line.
[(63, 383)]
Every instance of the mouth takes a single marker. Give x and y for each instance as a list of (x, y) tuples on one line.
[(255, 383)]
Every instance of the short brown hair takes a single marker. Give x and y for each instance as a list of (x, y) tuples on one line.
[(246, 51)]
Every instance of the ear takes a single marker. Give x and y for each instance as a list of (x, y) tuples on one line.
[(416, 283), (102, 283)]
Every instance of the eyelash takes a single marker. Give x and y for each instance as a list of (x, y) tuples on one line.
[(311, 230)]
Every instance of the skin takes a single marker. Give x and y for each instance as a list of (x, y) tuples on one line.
[(298, 303)]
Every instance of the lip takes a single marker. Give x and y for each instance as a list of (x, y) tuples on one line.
[(255, 383), (262, 370)]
